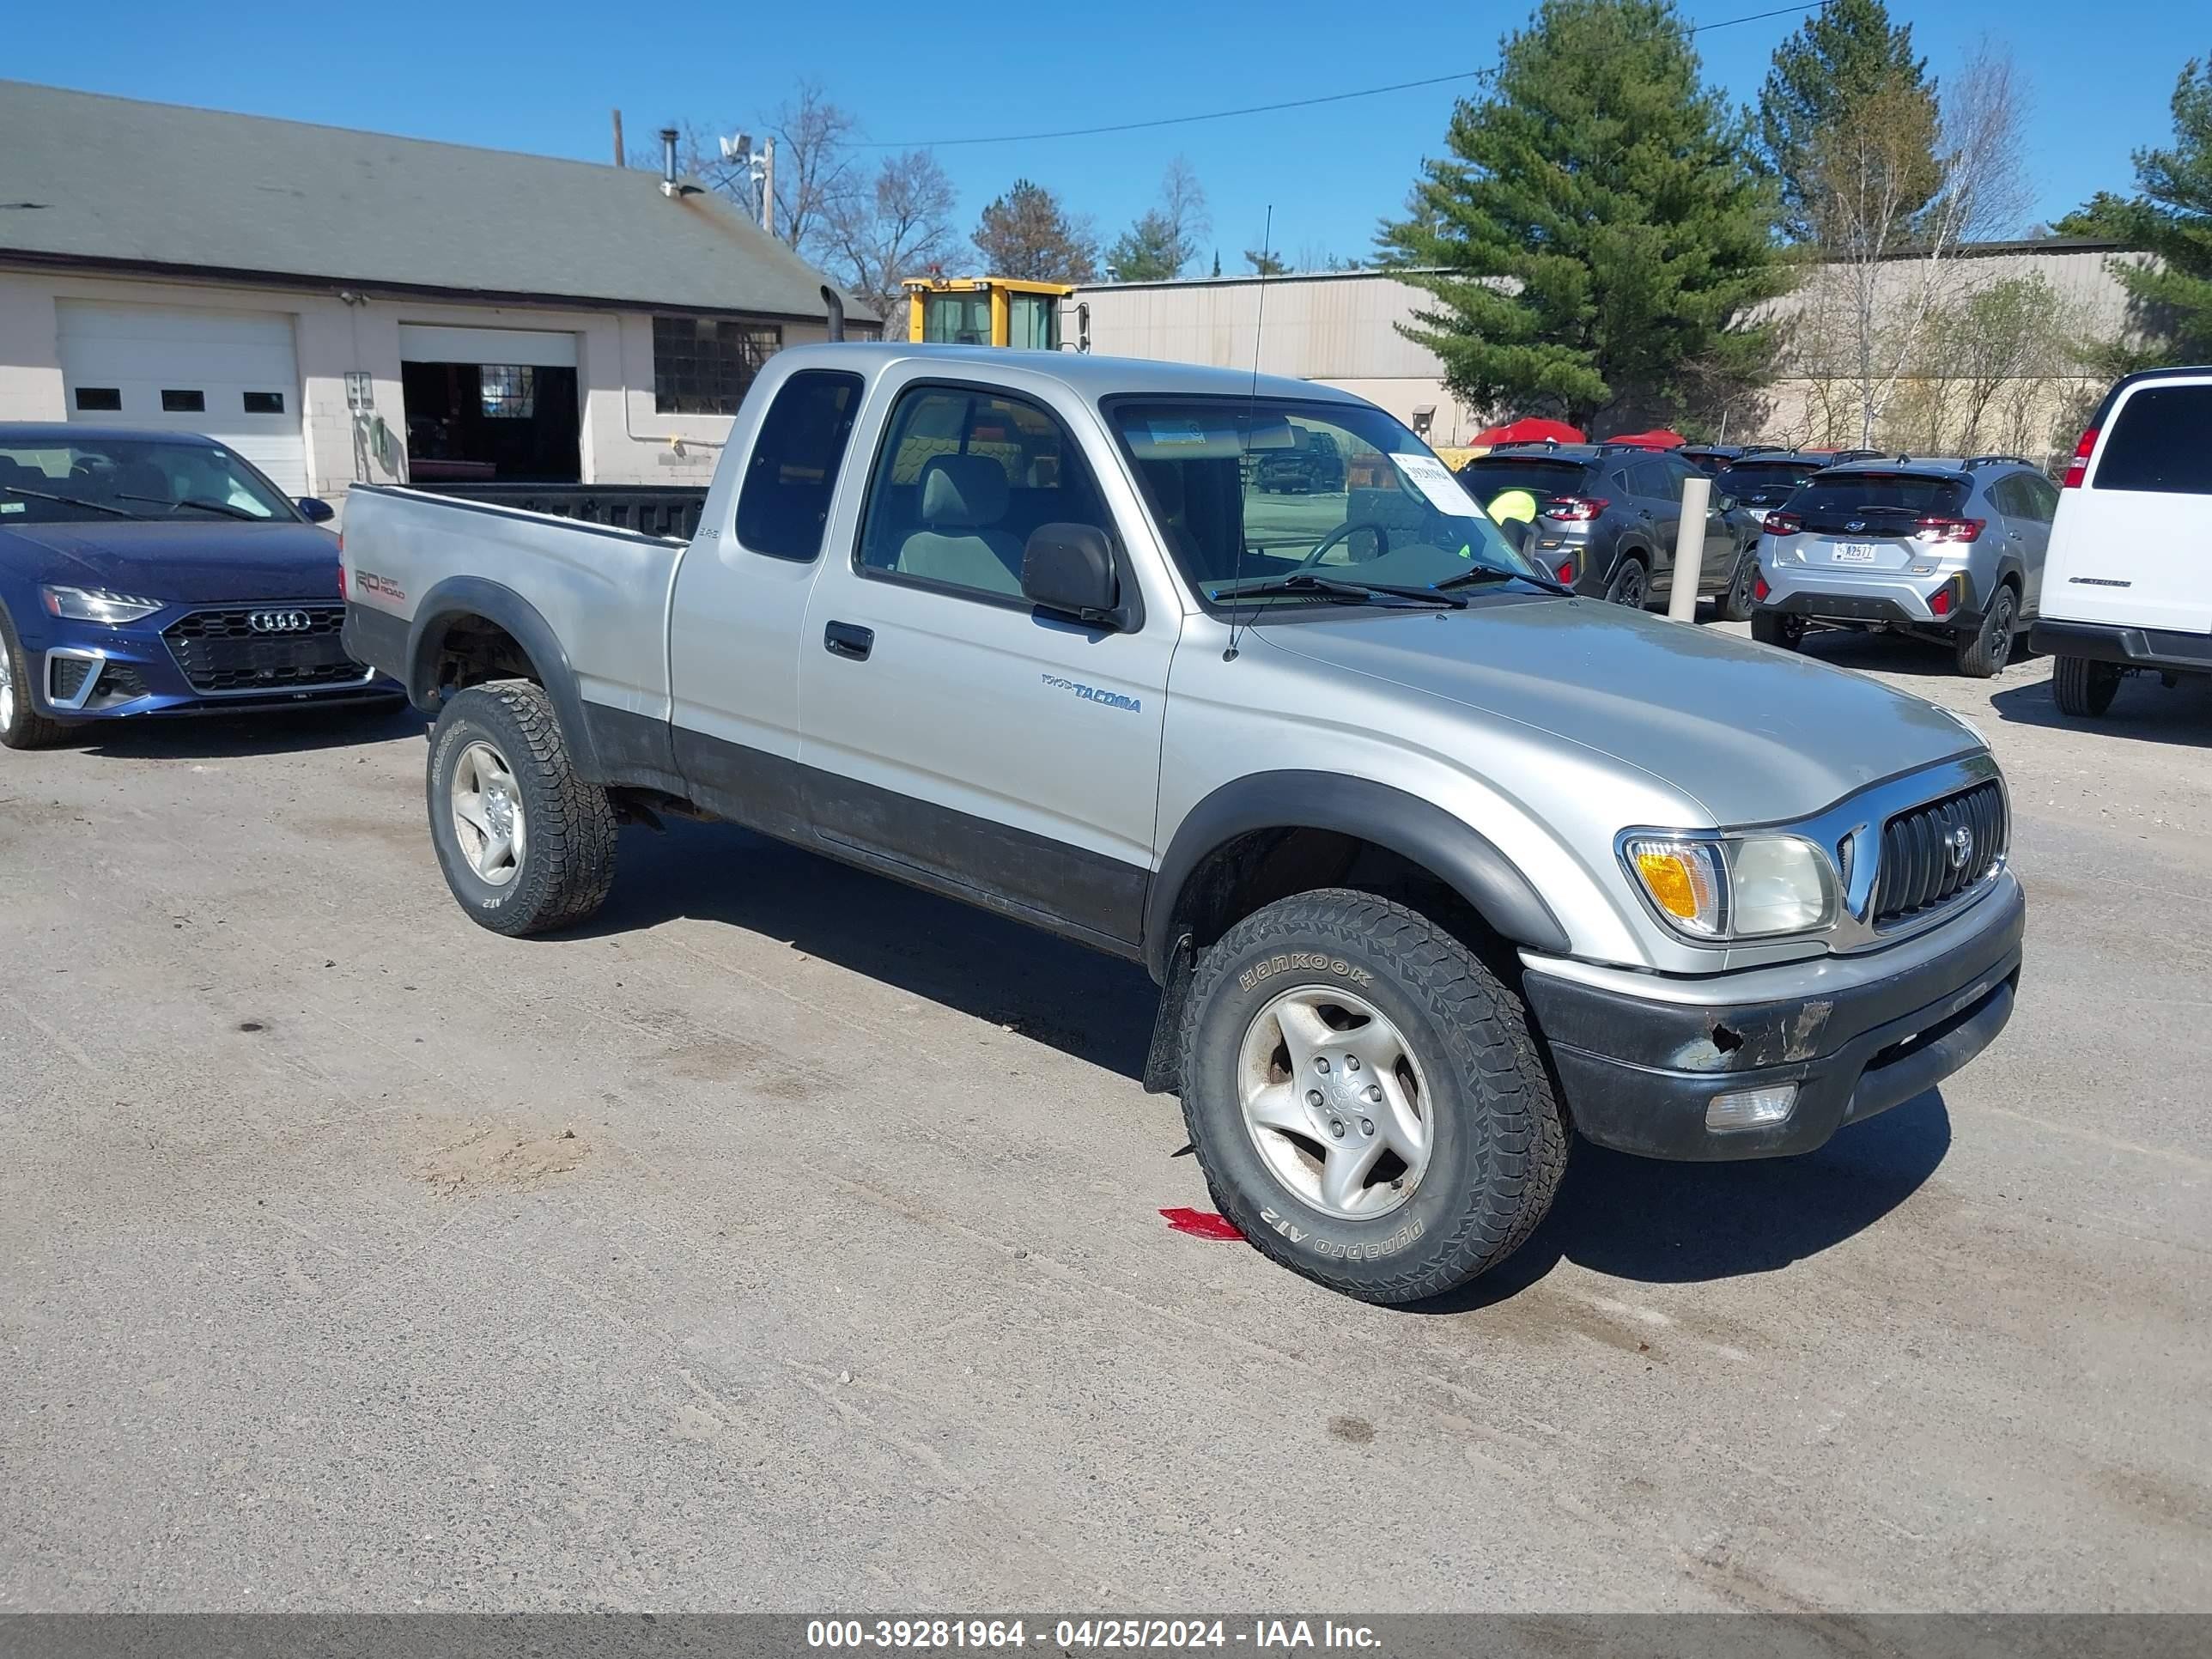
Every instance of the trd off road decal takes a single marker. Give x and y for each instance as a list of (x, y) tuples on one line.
[(1308, 961), (1092, 694)]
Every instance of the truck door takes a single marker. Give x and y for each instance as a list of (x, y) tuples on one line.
[(740, 603), (948, 728)]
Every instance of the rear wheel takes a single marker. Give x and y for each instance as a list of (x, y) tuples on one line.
[(1365, 1098), (21, 726), (1736, 602), (1631, 584), (2084, 689), (1778, 628), (1985, 651), (526, 845)]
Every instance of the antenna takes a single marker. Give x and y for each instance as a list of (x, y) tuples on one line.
[(1251, 413)]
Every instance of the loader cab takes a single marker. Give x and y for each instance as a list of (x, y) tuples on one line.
[(992, 311)]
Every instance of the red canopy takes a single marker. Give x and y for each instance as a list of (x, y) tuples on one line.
[(1658, 438), (1528, 429)]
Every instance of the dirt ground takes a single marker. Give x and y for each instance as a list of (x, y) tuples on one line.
[(787, 1238)]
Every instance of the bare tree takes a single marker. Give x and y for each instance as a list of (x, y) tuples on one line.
[(1183, 205), (1891, 266), (896, 228), (815, 174)]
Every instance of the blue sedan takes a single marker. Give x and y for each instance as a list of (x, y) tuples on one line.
[(156, 573)]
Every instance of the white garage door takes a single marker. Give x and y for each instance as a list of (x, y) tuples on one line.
[(231, 374)]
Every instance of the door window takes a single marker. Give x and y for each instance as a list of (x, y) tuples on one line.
[(1033, 322), (964, 476), (2163, 441), (2040, 497), (792, 473)]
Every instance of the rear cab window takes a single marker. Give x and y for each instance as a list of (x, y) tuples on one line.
[(2161, 442)]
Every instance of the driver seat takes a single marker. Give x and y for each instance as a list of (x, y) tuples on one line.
[(963, 497)]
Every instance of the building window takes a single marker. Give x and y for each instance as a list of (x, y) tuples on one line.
[(184, 402), (264, 403), (703, 365), (510, 391), (98, 397)]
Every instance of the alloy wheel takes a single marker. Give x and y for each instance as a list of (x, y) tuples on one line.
[(1334, 1101), (488, 817)]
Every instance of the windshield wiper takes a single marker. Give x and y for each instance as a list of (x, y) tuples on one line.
[(71, 501), (223, 508), (1485, 573), (1337, 586)]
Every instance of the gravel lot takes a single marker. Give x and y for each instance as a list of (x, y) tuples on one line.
[(791, 1239)]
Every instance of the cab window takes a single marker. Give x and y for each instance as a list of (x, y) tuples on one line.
[(791, 475), (963, 479)]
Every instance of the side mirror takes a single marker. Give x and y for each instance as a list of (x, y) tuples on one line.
[(314, 511), (1069, 567)]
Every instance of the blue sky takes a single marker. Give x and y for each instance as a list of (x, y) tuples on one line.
[(542, 77)]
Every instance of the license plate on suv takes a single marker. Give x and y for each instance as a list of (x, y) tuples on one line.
[(1853, 553)]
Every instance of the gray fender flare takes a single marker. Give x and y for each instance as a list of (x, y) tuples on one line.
[(461, 597), (1414, 829)]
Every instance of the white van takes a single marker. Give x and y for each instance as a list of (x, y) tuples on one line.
[(2127, 585)]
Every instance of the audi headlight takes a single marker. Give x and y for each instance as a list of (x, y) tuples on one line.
[(97, 604), (1719, 887)]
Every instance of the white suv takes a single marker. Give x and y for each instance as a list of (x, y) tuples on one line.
[(2126, 585)]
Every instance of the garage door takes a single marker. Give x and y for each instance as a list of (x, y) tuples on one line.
[(231, 374)]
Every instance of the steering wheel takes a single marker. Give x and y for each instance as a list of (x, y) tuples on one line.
[(1382, 533)]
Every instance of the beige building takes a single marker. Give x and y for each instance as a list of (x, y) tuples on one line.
[(1342, 328), (344, 307)]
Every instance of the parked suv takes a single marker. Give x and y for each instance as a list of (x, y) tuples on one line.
[(2127, 591), (1946, 548), (1606, 520), (1311, 465)]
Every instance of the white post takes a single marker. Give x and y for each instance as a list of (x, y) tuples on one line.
[(1690, 549)]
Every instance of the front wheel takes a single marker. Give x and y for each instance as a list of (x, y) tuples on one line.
[(2084, 689), (1777, 628), (1366, 1098), (526, 845), (21, 726)]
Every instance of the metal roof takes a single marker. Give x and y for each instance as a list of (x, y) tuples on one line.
[(1086, 373), (115, 183)]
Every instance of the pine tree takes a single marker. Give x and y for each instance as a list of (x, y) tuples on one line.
[(1027, 234), (1844, 54), (1602, 239), (2170, 218)]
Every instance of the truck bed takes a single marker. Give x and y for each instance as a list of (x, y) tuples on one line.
[(650, 509), (603, 592)]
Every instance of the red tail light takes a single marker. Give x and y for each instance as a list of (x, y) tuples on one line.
[(1566, 571), (1947, 530), (341, 578), (1759, 590), (1782, 524), (1939, 603), (1575, 509), (2077, 470)]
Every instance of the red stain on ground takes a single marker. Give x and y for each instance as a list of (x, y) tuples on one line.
[(1201, 1224)]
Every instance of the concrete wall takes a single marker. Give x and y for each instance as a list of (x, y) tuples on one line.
[(623, 440), (1336, 327), (1341, 327)]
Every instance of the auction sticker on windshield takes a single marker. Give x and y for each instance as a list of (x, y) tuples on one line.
[(1434, 480)]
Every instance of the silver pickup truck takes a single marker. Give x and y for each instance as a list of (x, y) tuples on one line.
[(1437, 866)]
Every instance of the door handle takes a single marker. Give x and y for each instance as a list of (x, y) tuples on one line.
[(848, 640)]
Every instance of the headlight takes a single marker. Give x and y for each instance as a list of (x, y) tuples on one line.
[(1726, 887), (97, 604)]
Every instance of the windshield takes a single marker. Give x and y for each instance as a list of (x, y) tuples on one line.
[(86, 480), (1396, 517)]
